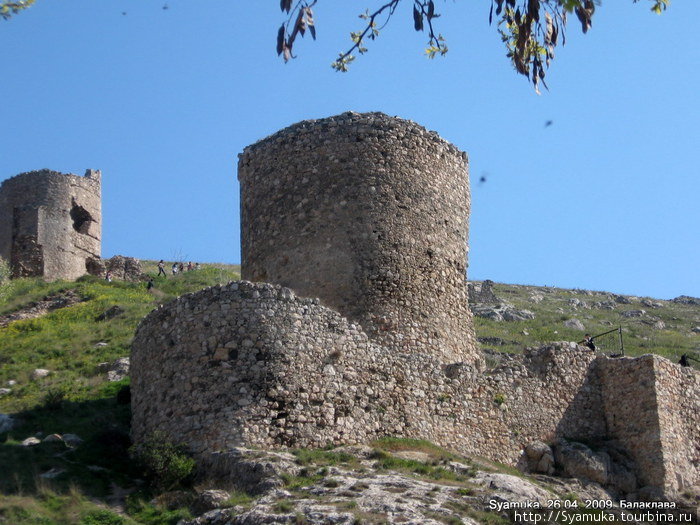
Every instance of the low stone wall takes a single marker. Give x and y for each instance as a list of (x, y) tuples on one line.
[(252, 364)]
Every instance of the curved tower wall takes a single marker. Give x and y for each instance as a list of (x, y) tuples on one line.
[(370, 214), (51, 223)]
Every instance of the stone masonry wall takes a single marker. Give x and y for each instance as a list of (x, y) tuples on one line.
[(50, 223), (678, 400), (252, 364), (633, 413), (370, 214)]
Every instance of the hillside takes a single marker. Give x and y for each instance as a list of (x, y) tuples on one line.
[(667, 328), (71, 328)]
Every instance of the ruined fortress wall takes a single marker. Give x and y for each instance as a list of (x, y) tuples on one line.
[(633, 413), (252, 364), (678, 401), (370, 214), (653, 406), (51, 223)]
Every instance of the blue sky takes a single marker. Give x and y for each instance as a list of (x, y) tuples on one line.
[(162, 101)]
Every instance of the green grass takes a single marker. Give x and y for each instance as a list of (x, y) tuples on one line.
[(76, 398), (639, 335), (48, 507), (386, 461)]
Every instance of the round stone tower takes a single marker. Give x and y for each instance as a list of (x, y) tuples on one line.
[(370, 214), (50, 223)]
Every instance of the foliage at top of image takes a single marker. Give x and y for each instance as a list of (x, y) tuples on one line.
[(530, 29)]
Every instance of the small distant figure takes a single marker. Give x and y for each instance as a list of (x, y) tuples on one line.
[(548, 123), (161, 269), (149, 284), (181, 267), (684, 360), (588, 341), (108, 276), (197, 266), (190, 266), (174, 268)]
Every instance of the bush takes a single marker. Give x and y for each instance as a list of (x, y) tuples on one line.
[(164, 463), (102, 517), (53, 399)]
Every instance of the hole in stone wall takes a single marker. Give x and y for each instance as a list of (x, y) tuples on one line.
[(81, 218), (93, 266)]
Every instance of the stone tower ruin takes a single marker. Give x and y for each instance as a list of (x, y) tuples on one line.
[(355, 228), (50, 223), (370, 214)]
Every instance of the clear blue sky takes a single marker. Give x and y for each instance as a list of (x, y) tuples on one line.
[(162, 101)]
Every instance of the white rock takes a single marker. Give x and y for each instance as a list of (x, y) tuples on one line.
[(575, 324), (39, 373), (30, 442)]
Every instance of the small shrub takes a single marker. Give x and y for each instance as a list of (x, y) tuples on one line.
[(164, 463), (282, 507), (300, 519), (102, 517), (53, 398), (499, 398)]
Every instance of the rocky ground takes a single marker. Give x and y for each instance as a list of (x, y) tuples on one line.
[(39, 308), (396, 482)]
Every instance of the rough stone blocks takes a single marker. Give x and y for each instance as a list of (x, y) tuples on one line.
[(50, 223)]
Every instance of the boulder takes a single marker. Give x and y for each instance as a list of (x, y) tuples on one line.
[(122, 268), (622, 478), (6, 423), (579, 461), (574, 324), (686, 299), (38, 373), (72, 440), (540, 457), (209, 500), (651, 304), (110, 313), (31, 441), (511, 314), (507, 487), (248, 470), (117, 370)]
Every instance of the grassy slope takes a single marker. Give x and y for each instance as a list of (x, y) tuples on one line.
[(75, 398), (639, 334)]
